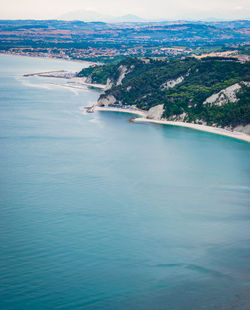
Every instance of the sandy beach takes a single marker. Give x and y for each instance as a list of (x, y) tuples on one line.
[(214, 130), (113, 109)]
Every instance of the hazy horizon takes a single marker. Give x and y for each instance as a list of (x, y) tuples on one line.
[(158, 9)]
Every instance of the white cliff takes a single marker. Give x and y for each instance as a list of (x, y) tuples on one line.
[(123, 71), (109, 84), (172, 83), (226, 95), (178, 117), (243, 128), (106, 101), (155, 112)]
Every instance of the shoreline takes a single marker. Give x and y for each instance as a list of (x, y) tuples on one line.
[(215, 130), (61, 74), (142, 115), (54, 58), (78, 80), (113, 109)]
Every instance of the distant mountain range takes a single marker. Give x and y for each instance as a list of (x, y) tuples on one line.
[(92, 16)]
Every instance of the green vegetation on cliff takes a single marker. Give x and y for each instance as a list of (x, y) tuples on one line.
[(182, 85), (230, 114), (98, 74)]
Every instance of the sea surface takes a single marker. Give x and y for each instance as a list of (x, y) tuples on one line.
[(100, 213)]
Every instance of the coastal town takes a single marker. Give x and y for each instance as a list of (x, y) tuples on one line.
[(110, 54), (108, 42), (102, 54)]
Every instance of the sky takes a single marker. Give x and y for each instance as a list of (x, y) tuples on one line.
[(167, 9)]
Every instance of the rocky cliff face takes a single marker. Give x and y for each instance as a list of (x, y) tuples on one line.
[(87, 79), (109, 84), (123, 71), (245, 129), (106, 101), (156, 112), (178, 118), (226, 95), (172, 83)]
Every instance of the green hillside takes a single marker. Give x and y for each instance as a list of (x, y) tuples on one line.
[(145, 85)]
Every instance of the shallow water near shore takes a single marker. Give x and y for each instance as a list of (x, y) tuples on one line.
[(100, 213)]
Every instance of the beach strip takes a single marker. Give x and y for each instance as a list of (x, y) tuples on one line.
[(114, 109), (214, 130), (210, 129)]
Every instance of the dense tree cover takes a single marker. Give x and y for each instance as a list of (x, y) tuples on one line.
[(209, 77), (231, 114), (146, 81), (145, 86), (99, 74)]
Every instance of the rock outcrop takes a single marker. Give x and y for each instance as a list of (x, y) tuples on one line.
[(172, 83), (106, 101), (226, 95), (109, 84), (179, 117), (88, 79), (123, 71), (155, 112), (243, 128)]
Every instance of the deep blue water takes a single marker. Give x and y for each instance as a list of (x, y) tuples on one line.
[(100, 213)]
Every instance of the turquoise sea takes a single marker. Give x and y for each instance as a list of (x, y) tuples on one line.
[(100, 213)]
